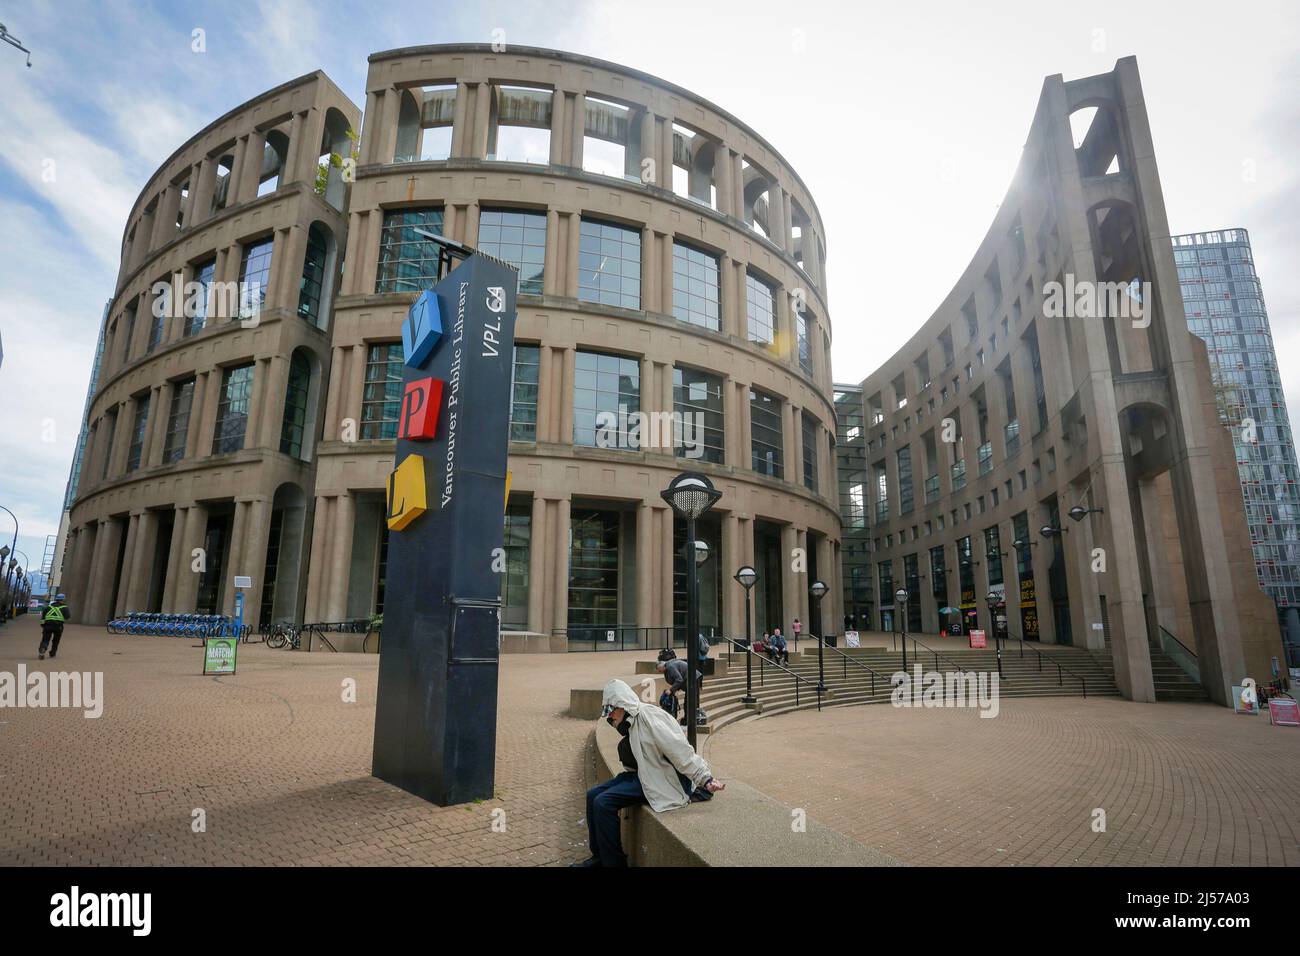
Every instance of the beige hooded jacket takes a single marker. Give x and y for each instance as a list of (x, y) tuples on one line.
[(660, 747)]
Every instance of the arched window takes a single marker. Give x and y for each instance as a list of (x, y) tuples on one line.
[(293, 433), (314, 270)]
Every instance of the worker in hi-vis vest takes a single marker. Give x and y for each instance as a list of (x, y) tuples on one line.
[(52, 618)]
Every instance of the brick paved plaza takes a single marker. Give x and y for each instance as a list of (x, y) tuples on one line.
[(281, 766), (279, 762), (1181, 784)]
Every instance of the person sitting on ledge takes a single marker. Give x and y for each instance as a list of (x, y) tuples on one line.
[(660, 768), (777, 648)]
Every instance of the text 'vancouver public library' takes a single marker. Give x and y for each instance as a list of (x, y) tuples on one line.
[(669, 262)]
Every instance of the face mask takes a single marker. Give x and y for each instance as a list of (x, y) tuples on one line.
[(625, 727)]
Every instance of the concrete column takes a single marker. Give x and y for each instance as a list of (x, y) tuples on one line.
[(175, 558), (208, 423), (727, 315), (647, 120), (187, 580), (571, 256), (344, 524), (666, 598), (552, 270), (254, 436), (356, 383), (254, 155), (537, 565), (733, 595), (482, 119), (333, 403), (293, 159), (546, 394), (804, 580), (577, 128), (663, 277), (650, 298), (146, 544), (128, 563), (746, 459), (778, 231), (99, 585), (253, 561), (560, 552), (788, 442), (155, 429), (566, 398), (722, 173), (789, 581), (318, 574), (235, 561), (460, 132), (645, 616), (731, 425), (738, 186)]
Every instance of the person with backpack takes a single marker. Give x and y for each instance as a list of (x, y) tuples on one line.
[(660, 768), (674, 671), (53, 617)]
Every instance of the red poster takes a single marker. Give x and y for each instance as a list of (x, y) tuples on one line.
[(1283, 711), (977, 639)]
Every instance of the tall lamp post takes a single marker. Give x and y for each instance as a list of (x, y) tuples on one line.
[(746, 577), (8, 552), (818, 591), (22, 570), (690, 495), (993, 599), (900, 608)]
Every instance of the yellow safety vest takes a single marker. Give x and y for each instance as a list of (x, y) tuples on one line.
[(54, 613)]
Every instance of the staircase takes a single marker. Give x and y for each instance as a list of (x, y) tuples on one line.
[(1023, 676), (1172, 683)]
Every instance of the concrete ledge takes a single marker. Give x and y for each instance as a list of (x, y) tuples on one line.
[(738, 827), (585, 702), (530, 642)]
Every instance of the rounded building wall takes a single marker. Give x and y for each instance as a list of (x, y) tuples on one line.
[(715, 277), (1059, 373)]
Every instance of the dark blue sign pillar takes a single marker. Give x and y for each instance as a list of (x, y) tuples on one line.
[(436, 712)]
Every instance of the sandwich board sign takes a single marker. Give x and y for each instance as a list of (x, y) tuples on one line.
[(219, 655), (851, 639), (978, 639)]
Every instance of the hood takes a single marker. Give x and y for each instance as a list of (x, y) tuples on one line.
[(620, 695)]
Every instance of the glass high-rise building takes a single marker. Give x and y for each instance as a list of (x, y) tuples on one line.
[(1225, 307)]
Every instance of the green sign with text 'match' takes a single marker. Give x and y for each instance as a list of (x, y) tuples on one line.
[(219, 655)]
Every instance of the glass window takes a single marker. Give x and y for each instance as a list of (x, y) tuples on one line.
[(760, 307), (808, 426), (313, 277), (857, 507), (254, 277), (593, 570), (606, 393), (158, 322), (381, 397), (519, 238), (198, 316), (905, 500), (805, 345), (523, 393), (514, 583), (695, 286), (698, 423), (178, 421), (137, 433), (408, 262), (232, 409), (767, 454), (609, 264), (295, 406)]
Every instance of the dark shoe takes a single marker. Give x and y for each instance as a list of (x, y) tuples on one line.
[(591, 861), (41, 657)]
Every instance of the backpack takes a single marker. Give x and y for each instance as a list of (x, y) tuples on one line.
[(668, 701), (667, 654)]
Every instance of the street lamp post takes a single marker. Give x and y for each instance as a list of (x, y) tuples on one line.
[(900, 608), (746, 577), (993, 599), (11, 549), (818, 591), (690, 495)]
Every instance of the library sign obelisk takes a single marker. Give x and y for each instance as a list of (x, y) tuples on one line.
[(436, 712)]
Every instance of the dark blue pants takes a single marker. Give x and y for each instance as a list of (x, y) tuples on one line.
[(604, 800)]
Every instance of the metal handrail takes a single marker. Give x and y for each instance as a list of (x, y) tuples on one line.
[(937, 656), (846, 659), (1169, 635), (764, 662), (1060, 668), (1185, 657)]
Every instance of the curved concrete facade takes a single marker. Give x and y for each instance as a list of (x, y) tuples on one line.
[(659, 237), (1014, 404)]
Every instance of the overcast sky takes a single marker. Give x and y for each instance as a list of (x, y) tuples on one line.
[(905, 120)]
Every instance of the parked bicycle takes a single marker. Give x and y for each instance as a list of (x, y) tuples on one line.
[(284, 635)]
